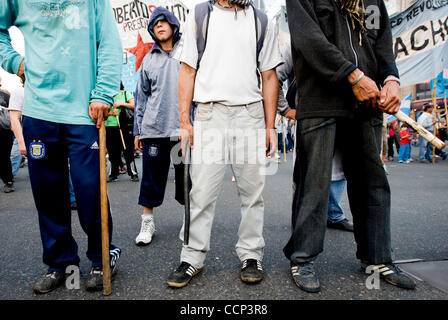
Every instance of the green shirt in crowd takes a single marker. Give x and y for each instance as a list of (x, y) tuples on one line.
[(123, 96)]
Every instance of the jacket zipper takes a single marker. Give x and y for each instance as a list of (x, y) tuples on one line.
[(351, 43)]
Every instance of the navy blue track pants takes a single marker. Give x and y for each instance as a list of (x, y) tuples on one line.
[(50, 146), (156, 164)]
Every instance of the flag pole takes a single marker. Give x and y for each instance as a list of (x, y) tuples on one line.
[(434, 101), (446, 109)]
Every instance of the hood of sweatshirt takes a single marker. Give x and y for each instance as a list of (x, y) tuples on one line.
[(161, 13)]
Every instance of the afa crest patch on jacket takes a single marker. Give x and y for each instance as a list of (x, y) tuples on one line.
[(37, 150)]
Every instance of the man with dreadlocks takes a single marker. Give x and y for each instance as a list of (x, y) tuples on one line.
[(346, 78), (233, 107)]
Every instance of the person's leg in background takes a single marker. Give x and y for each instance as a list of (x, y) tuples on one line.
[(129, 155), (114, 147), (16, 157), (402, 154), (6, 175), (336, 218), (421, 148)]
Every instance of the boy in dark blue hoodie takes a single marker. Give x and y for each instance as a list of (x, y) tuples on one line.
[(157, 117)]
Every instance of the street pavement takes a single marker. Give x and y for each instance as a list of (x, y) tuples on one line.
[(419, 231)]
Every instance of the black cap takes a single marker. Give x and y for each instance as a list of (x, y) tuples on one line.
[(427, 106)]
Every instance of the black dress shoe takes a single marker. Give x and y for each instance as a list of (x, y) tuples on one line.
[(342, 225)]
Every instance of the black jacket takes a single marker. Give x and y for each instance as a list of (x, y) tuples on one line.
[(325, 50)]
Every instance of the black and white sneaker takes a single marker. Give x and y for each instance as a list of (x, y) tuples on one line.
[(251, 271), (182, 275), (9, 187), (392, 274), (49, 282), (95, 278), (305, 277)]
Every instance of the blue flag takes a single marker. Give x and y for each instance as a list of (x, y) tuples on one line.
[(441, 86), (404, 107)]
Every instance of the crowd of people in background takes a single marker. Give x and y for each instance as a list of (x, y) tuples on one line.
[(401, 137)]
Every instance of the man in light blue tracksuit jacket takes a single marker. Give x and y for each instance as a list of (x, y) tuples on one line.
[(72, 67), (157, 118)]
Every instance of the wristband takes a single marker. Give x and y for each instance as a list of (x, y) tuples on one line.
[(358, 79), (392, 79)]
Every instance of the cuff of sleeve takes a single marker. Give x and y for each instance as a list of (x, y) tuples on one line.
[(16, 64), (102, 99), (389, 71), (343, 73), (190, 63)]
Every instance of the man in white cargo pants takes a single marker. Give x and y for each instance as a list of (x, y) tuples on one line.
[(231, 125)]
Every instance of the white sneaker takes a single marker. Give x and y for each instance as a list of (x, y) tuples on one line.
[(146, 232)]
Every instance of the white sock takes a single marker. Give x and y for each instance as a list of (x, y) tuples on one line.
[(148, 215)]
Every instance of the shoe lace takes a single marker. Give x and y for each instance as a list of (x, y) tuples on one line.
[(51, 275), (306, 269), (183, 267), (394, 268), (147, 226), (252, 262), (96, 270)]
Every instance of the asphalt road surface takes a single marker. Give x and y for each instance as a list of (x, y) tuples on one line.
[(419, 231)]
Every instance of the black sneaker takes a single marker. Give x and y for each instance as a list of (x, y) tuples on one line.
[(112, 178), (9, 187), (344, 225), (50, 281), (392, 274), (251, 271), (95, 278), (135, 178), (182, 275), (305, 277)]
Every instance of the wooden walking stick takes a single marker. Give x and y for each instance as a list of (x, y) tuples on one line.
[(121, 133), (425, 134), (446, 109), (104, 213)]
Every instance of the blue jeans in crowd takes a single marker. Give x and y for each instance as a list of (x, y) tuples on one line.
[(335, 212), (16, 157), (405, 152), (422, 146)]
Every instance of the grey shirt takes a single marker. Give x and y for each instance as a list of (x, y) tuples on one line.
[(284, 72), (157, 109)]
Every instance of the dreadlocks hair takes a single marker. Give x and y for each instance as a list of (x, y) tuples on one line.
[(356, 12)]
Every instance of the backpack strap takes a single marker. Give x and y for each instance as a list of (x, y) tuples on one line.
[(202, 18), (261, 24)]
